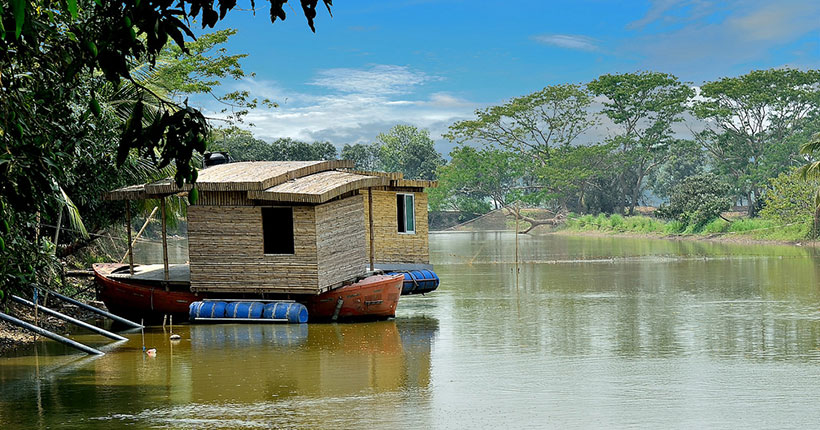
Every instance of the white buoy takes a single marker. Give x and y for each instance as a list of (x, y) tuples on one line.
[(174, 336)]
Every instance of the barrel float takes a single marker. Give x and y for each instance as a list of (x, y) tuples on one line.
[(243, 310), (291, 311), (418, 281), (206, 310)]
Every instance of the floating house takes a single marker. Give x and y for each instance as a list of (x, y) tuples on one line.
[(287, 229)]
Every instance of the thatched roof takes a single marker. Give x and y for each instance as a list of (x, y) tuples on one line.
[(319, 187), (285, 181)]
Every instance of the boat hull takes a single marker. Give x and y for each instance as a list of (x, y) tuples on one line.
[(375, 297)]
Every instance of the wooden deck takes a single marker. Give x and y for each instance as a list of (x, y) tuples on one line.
[(177, 273)]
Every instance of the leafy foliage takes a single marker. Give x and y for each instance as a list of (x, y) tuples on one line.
[(72, 95), (409, 150), (365, 156), (475, 176), (789, 199), (750, 121), (644, 105), (697, 200), (242, 146), (533, 124)]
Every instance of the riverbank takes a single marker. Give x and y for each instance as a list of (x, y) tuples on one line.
[(742, 230)]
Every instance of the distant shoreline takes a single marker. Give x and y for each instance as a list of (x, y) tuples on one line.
[(718, 237)]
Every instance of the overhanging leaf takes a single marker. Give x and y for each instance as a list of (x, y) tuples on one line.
[(72, 8), (19, 8)]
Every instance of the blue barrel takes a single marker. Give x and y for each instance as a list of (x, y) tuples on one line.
[(206, 310), (290, 311), (293, 312), (244, 310), (418, 281)]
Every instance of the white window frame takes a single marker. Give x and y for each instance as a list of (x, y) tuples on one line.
[(406, 231)]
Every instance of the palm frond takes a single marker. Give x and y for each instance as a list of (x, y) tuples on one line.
[(74, 218)]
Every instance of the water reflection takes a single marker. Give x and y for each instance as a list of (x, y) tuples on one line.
[(597, 332), (263, 367)]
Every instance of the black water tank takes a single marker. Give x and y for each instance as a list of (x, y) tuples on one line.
[(214, 158)]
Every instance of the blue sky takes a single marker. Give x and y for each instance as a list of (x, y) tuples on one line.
[(429, 63)]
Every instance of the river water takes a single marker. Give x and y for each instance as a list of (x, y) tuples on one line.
[(588, 333)]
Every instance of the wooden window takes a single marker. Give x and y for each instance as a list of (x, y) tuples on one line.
[(277, 230), (406, 213)]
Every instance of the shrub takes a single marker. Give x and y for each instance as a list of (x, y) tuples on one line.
[(697, 200)]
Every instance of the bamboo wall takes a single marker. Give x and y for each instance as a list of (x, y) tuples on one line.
[(390, 245), (226, 251), (340, 240)]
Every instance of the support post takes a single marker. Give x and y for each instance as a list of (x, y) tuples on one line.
[(130, 245), (164, 238), (95, 310), (139, 233), (64, 340), (372, 233), (75, 321)]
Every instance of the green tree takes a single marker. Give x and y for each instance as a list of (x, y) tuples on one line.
[(241, 145), (474, 177), (409, 150), (750, 120), (790, 198), (697, 200), (644, 105), (57, 59), (573, 174), (532, 124), (366, 156), (686, 158), (288, 149)]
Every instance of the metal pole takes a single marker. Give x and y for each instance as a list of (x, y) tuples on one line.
[(95, 310), (130, 246), (50, 335), (65, 317), (164, 238), (372, 233)]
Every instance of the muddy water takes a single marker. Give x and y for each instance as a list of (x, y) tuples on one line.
[(589, 332)]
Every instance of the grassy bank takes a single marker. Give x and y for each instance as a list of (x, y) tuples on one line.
[(754, 228)]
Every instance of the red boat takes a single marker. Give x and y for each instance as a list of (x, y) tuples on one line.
[(147, 295)]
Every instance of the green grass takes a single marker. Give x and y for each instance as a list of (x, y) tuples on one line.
[(754, 228)]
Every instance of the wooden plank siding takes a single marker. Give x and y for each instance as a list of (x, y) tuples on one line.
[(390, 245), (340, 240), (226, 250)]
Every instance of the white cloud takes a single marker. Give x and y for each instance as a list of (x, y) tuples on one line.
[(568, 41), (355, 105), (377, 80)]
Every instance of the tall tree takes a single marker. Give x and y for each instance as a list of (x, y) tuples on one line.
[(365, 156), (288, 149), (56, 58), (644, 105), (409, 150), (476, 175), (749, 120), (533, 124)]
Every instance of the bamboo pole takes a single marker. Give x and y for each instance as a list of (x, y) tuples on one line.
[(372, 233), (50, 335), (139, 233), (75, 321), (95, 310), (517, 217), (164, 239), (130, 245)]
